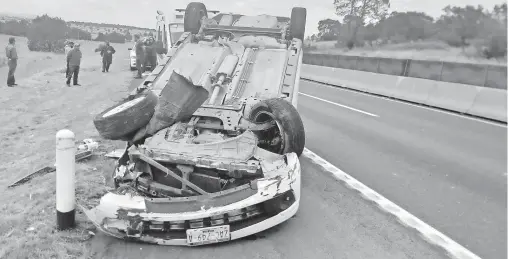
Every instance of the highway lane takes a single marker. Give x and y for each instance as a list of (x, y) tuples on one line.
[(447, 170), (333, 222)]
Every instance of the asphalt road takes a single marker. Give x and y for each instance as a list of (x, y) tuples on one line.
[(447, 170), (333, 222)]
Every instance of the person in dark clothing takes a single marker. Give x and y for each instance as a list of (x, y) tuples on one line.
[(74, 60), (140, 57), (107, 56), (150, 54), (68, 48), (12, 61)]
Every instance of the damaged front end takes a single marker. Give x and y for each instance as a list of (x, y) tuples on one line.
[(180, 198)]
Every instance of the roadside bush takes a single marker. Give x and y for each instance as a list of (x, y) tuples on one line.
[(114, 37), (309, 47), (78, 34), (450, 38), (350, 44), (47, 34), (496, 47), (56, 46), (419, 45)]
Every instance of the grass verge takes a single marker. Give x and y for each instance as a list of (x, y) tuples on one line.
[(30, 116)]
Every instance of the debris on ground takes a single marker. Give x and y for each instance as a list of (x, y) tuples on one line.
[(85, 150)]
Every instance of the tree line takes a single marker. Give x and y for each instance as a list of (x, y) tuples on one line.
[(368, 22), (46, 33), (108, 25)]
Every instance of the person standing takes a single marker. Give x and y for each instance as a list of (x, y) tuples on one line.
[(68, 46), (74, 61), (12, 61), (107, 56), (150, 54), (140, 57)]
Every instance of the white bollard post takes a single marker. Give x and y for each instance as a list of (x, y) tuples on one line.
[(65, 173)]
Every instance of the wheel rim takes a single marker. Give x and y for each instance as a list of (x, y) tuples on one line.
[(123, 106), (274, 134)]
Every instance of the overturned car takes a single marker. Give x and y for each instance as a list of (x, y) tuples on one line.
[(213, 134)]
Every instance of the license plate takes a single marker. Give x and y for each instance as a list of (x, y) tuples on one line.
[(202, 236)]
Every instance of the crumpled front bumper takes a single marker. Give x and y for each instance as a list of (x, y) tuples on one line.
[(271, 201)]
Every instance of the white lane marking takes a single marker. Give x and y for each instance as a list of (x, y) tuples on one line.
[(340, 105), (410, 104), (429, 233)]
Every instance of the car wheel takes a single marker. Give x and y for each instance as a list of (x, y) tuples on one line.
[(193, 15), (297, 23), (127, 116), (289, 135), (133, 68)]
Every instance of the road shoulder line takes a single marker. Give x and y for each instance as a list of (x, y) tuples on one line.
[(340, 105), (429, 233)]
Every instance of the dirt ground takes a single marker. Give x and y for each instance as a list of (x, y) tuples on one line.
[(30, 115)]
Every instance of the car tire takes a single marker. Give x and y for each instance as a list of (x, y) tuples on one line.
[(297, 23), (127, 116), (133, 68), (288, 121), (193, 15)]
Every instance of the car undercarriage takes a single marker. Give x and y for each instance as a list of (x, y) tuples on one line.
[(213, 137)]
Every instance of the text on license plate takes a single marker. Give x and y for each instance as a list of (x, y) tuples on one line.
[(208, 235)]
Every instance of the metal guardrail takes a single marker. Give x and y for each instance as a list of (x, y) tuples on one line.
[(492, 76)]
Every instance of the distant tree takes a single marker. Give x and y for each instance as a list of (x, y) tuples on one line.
[(328, 29), (462, 22), (499, 13), (47, 34), (348, 32), (493, 36), (100, 37), (15, 28), (115, 37), (370, 33), (358, 12), (79, 34), (410, 25)]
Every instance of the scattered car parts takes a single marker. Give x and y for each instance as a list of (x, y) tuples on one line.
[(85, 150)]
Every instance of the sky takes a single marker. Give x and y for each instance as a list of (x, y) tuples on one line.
[(142, 13)]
